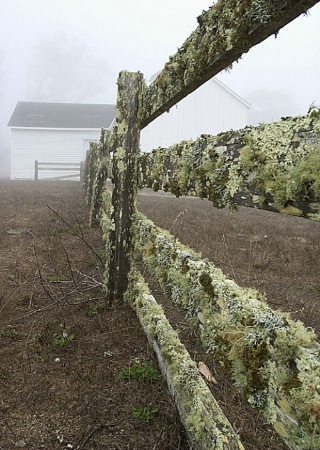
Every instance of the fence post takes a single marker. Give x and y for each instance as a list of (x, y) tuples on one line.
[(36, 177), (126, 141), (81, 172), (103, 172), (90, 167)]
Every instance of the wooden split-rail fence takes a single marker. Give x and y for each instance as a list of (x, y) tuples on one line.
[(273, 360), (71, 170)]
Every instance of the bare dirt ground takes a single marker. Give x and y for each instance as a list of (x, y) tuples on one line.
[(64, 356)]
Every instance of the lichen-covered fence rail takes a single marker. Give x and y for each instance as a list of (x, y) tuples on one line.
[(274, 166), (273, 360), (206, 424), (225, 32)]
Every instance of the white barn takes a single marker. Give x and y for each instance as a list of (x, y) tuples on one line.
[(211, 109), (54, 132)]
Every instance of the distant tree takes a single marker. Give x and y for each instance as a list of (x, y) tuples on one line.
[(65, 70)]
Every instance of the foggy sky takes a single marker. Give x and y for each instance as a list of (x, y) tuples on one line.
[(73, 50)]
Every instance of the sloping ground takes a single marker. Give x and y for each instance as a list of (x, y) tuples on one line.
[(64, 357), (63, 353)]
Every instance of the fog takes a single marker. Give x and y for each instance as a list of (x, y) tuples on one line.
[(73, 50)]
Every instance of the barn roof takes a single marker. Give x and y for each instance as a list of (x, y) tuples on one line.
[(61, 115)]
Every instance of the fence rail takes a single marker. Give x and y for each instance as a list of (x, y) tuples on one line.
[(247, 167), (58, 166), (237, 326), (263, 351), (225, 32)]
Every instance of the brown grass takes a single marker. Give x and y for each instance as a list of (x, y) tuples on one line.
[(62, 350)]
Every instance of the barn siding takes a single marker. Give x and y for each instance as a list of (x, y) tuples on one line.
[(211, 109), (47, 145)]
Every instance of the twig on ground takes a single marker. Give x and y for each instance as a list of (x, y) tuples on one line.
[(95, 282), (35, 253), (36, 311), (78, 234), (90, 432)]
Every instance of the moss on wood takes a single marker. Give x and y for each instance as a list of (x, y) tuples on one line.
[(225, 31), (273, 360), (273, 166), (205, 424), (126, 138)]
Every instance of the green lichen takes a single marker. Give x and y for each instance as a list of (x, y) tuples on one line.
[(274, 166), (305, 178), (189, 168), (205, 423), (272, 359), (264, 11), (99, 169), (225, 31), (314, 111), (284, 163), (107, 225)]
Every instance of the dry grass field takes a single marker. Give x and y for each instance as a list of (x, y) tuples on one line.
[(65, 381), (276, 254)]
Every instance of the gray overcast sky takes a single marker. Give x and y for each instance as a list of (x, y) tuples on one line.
[(107, 36)]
